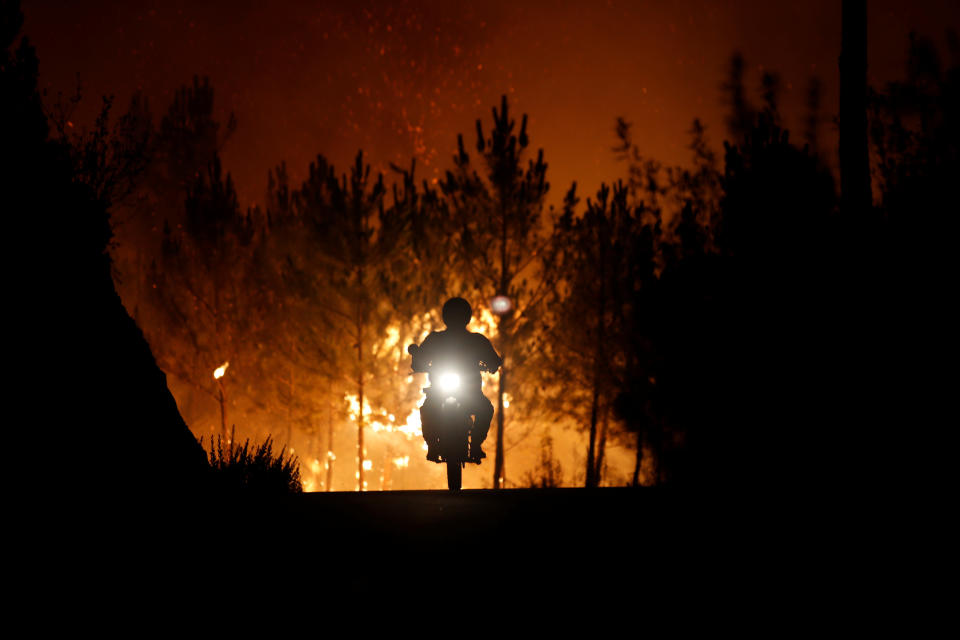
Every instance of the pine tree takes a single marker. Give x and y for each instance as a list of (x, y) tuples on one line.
[(349, 240), (605, 262), (177, 152), (496, 210), (209, 290)]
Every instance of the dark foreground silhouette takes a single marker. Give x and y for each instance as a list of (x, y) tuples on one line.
[(526, 546), (105, 414)]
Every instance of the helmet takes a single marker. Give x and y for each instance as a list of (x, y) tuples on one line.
[(456, 312)]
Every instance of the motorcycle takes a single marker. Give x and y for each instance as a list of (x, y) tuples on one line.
[(451, 422)]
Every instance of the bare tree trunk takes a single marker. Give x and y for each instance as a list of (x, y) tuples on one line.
[(598, 361), (360, 408), (360, 378), (330, 457), (639, 459), (855, 194), (591, 447), (498, 463), (602, 445), (223, 414)]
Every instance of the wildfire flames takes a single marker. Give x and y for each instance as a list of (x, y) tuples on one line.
[(393, 433), (382, 422)]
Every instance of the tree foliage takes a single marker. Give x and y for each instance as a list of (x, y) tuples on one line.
[(496, 218)]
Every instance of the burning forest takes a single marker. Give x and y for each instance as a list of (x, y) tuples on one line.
[(681, 313)]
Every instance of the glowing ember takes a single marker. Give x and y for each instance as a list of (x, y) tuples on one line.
[(219, 371), (402, 463), (367, 465)]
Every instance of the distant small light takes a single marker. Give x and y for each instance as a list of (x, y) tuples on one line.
[(501, 305)]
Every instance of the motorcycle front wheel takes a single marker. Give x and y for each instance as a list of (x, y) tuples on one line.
[(454, 475)]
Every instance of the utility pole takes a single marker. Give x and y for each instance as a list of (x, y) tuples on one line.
[(360, 451), (502, 332), (498, 462), (502, 306), (855, 195)]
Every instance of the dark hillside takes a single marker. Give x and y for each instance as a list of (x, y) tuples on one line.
[(99, 402)]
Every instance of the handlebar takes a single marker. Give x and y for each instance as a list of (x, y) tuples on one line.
[(486, 367), (414, 350)]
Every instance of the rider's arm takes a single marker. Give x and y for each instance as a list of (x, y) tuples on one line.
[(424, 355), (488, 355)]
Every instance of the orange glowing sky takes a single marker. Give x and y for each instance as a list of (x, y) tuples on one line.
[(399, 79)]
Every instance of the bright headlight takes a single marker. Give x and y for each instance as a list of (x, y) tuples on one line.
[(449, 382)]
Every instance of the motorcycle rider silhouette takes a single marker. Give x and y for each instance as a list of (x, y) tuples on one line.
[(467, 354)]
